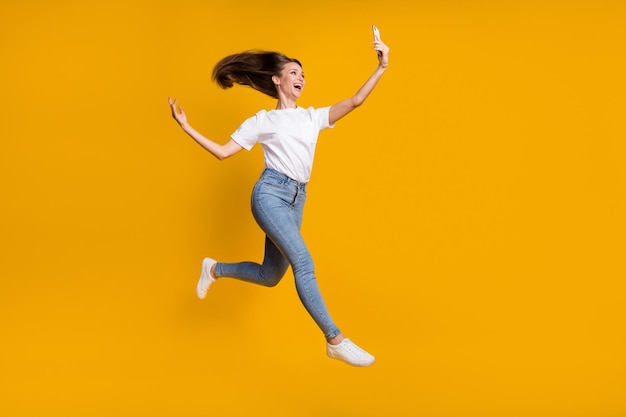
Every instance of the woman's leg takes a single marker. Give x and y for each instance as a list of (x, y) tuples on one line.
[(268, 274), (277, 205), (278, 209)]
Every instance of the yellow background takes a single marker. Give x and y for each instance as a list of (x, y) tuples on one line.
[(467, 222)]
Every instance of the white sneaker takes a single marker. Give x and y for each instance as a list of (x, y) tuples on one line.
[(350, 353), (206, 279)]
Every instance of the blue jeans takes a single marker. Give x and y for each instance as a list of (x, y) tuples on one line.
[(277, 206)]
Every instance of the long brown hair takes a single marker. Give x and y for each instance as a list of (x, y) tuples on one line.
[(251, 68)]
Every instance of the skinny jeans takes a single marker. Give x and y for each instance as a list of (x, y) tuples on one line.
[(277, 206)]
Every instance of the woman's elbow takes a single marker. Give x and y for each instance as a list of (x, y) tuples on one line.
[(226, 151), (220, 156), (357, 102)]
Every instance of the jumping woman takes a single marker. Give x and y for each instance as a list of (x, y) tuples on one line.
[(287, 135)]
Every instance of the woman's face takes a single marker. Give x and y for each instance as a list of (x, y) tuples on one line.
[(290, 82)]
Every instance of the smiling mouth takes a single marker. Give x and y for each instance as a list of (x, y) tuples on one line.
[(298, 87)]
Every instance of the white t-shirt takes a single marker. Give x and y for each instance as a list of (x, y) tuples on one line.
[(288, 138)]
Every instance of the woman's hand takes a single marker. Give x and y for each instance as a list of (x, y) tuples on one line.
[(177, 112), (383, 52)]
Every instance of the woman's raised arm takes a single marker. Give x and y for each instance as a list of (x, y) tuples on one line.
[(344, 107)]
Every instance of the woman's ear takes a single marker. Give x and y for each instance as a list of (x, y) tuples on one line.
[(276, 80)]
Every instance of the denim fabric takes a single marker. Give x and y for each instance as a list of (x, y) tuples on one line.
[(277, 206)]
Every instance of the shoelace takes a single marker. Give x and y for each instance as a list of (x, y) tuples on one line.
[(354, 349)]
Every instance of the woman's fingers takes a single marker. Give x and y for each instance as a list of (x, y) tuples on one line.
[(380, 46), (382, 51), (177, 110), (174, 105)]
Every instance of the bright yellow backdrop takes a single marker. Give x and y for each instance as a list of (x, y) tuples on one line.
[(467, 222)]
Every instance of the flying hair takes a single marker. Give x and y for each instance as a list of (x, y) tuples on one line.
[(252, 68)]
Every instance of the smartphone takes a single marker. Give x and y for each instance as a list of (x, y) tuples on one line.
[(376, 32)]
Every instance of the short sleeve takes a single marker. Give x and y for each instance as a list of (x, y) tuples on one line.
[(321, 117), (247, 135)]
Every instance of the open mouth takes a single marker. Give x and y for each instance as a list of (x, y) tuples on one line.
[(298, 86)]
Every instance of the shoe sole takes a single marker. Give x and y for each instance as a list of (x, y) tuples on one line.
[(205, 275)]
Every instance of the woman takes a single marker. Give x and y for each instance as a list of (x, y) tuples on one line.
[(288, 135)]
